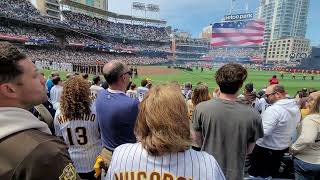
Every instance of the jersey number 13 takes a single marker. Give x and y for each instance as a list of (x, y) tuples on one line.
[(81, 134)]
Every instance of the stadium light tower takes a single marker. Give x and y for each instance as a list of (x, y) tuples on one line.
[(138, 8), (154, 9), (145, 8)]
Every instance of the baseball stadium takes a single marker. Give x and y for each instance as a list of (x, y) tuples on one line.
[(87, 92)]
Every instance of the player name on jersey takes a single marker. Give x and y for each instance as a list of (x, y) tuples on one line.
[(141, 175), (84, 117)]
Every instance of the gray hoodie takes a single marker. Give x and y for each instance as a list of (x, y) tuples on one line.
[(279, 124), (14, 120)]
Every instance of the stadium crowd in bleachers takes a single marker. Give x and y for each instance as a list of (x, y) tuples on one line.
[(191, 49), (99, 25), (24, 10), (29, 32), (235, 52), (33, 34), (81, 39), (89, 58)]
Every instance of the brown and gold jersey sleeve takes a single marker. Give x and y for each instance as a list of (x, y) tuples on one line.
[(49, 160)]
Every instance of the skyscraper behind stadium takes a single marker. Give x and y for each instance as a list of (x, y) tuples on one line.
[(283, 18)]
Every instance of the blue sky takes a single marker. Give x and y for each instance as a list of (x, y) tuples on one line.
[(193, 15)]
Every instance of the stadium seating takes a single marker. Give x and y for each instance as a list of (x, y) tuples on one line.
[(245, 53), (84, 22), (22, 22), (88, 57)]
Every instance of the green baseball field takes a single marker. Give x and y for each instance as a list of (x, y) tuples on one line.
[(258, 78)]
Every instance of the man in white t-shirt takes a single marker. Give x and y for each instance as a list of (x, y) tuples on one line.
[(142, 90), (132, 92), (55, 92), (95, 88)]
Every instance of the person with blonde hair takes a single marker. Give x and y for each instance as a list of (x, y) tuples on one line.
[(310, 100), (75, 121), (163, 148), (200, 94), (306, 149)]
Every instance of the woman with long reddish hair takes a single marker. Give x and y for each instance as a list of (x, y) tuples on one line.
[(199, 94), (75, 121)]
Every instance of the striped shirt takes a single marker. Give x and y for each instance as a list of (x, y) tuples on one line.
[(132, 93), (142, 91), (131, 161), (83, 138), (94, 91)]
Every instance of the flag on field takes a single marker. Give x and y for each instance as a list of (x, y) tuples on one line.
[(238, 33)]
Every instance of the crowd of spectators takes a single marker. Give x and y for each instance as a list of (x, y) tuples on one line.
[(155, 48), (189, 51), (235, 52), (24, 10), (29, 32), (192, 49), (37, 32), (80, 38), (94, 24), (89, 57)]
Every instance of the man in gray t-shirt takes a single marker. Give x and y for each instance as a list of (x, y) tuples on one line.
[(227, 129)]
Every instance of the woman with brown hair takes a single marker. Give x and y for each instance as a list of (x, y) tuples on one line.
[(163, 148), (306, 149), (200, 94), (75, 121)]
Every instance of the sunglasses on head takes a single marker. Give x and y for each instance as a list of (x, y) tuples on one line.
[(267, 95), (129, 72)]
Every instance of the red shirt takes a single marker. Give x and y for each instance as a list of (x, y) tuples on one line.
[(273, 81)]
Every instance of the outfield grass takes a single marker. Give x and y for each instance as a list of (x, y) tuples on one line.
[(259, 78)]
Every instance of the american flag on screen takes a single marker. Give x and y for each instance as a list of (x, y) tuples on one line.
[(238, 33)]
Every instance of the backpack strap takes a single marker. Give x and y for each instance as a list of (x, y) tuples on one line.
[(45, 114)]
